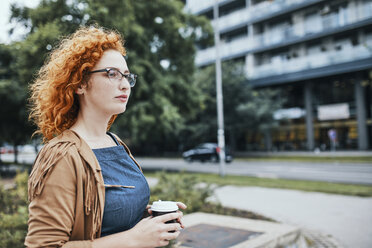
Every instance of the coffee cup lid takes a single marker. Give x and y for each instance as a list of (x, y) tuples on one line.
[(164, 206)]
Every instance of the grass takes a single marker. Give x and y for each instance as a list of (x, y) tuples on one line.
[(335, 159), (314, 186), (324, 187)]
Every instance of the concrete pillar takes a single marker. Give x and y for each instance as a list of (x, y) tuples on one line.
[(268, 140), (248, 5), (309, 116), (250, 31), (266, 35), (361, 115), (353, 11), (249, 64), (298, 22), (301, 50), (361, 37)]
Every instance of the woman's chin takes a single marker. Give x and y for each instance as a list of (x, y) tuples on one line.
[(121, 110)]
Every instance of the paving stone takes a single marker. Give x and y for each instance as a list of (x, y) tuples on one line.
[(220, 231), (205, 235)]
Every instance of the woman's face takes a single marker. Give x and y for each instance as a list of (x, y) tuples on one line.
[(105, 95)]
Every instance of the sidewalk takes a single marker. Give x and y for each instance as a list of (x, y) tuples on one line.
[(328, 220), (339, 153), (347, 219)]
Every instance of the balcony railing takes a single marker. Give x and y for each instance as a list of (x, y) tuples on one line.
[(313, 61), (256, 11), (236, 18), (196, 6), (269, 7), (276, 36), (233, 48)]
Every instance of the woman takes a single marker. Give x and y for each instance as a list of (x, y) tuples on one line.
[(85, 188)]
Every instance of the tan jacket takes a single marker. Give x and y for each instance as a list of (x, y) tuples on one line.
[(66, 194)]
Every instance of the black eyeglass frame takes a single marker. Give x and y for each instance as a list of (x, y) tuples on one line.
[(132, 78)]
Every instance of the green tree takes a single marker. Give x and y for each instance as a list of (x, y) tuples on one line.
[(245, 108), (14, 127), (14, 213), (160, 39), (19, 62)]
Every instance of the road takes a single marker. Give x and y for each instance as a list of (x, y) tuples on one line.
[(353, 173), (24, 158)]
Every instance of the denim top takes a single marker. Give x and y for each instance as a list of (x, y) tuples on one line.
[(126, 190)]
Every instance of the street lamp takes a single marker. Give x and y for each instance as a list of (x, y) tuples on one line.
[(220, 121)]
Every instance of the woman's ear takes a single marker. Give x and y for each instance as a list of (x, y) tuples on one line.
[(81, 89)]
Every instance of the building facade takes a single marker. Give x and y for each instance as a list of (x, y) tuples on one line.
[(319, 52)]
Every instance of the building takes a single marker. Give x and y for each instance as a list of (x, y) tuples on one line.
[(318, 52)]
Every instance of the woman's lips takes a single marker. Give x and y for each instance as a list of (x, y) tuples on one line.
[(122, 98)]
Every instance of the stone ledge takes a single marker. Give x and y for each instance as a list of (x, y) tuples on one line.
[(269, 234)]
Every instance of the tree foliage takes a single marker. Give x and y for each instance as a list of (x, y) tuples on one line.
[(14, 127), (13, 213), (245, 109), (160, 39), (170, 108)]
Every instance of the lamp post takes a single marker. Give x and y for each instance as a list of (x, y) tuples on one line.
[(220, 122)]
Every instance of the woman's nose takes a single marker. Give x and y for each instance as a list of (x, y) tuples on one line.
[(124, 83)]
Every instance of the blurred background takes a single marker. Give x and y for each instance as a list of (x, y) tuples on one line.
[(315, 54), (297, 96), (296, 74)]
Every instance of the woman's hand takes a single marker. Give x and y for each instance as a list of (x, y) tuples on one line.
[(148, 233), (153, 232), (179, 204)]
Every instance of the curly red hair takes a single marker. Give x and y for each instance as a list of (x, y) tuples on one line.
[(54, 104)]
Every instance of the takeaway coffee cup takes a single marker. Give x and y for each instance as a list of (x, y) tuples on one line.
[(164, 207)]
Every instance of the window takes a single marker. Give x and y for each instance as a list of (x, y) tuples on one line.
[(231, 7), (234, 34)]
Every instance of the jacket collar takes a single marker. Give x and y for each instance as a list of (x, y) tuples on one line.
[(83, 148), (86, 152)]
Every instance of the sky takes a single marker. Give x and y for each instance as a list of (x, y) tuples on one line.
[(4, 18)]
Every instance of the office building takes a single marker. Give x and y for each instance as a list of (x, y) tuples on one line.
[(319, 52)]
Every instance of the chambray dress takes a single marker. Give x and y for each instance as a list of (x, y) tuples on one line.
[(124, 206)]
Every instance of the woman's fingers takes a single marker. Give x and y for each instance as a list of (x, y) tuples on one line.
[(148, 208), (172, 227), (179, 220), (164, 242), (171, 235), (181, 223), (181, 205), (147, 218), (168, 217)]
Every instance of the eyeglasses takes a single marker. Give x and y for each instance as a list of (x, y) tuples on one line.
[(115, 75)]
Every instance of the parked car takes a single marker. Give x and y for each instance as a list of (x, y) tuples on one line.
[(206, 152), (28, 148), (6, 149)]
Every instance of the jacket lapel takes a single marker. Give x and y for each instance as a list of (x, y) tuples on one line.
[(87, 154)]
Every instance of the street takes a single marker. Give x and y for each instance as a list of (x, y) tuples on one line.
[(353, 173)]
